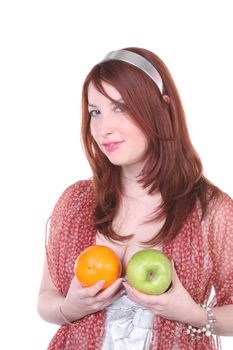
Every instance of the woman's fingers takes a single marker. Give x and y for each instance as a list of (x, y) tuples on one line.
[(96, 290), (90, 292), (145, 299), (109, 301), (111, 290), (81, 301)]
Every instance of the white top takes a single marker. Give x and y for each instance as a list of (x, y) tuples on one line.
[(128, 326)]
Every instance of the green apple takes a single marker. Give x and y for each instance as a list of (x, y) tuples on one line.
[(149, 271)]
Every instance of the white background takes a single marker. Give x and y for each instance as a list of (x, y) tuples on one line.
[(47, 48)]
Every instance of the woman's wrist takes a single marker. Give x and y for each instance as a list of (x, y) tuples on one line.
[(206, 328), (65, 317), (68, 314), (198, 317)]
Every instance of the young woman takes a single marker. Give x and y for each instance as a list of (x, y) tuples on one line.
[(147, 190)]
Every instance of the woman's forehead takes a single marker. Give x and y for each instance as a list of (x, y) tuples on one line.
[(110, 91)]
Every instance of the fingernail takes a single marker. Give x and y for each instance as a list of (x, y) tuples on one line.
[(127, 287)]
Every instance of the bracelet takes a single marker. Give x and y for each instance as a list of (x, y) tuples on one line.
[(207, 330), (64, 317)]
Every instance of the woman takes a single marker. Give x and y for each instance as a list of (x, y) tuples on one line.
[(147, 190)]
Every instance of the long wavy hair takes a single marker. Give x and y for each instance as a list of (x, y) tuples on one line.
[(172, 165)]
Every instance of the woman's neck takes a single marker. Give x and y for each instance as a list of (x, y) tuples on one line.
[(133, 188)]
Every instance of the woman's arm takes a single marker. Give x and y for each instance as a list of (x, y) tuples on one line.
[(79, 301), (178, 305), (224, 317), (49, 299)]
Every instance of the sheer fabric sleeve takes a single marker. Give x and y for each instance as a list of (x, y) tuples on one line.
[(70, 230), (55, 226), (221, 243)]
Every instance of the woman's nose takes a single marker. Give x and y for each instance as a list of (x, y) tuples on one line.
[(107, 125)]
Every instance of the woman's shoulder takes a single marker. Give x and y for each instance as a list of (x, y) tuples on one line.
[(77, 189), (75, 194), (219, 214), (212, 199), (223, 203)]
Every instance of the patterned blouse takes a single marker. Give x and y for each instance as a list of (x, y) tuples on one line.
[(202, 252)]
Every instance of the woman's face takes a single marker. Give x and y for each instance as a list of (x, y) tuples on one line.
[(116, 134)]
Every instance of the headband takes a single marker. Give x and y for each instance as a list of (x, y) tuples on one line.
[(139, 62)]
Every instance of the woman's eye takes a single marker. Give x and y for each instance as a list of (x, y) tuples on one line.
[(94, 113)]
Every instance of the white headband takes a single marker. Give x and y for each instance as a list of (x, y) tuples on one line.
[(139, 62)]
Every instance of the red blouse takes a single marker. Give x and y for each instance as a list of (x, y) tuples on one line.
[(202, 252)]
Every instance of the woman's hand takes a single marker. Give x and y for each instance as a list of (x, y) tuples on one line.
[(81, 301), (176, 304)]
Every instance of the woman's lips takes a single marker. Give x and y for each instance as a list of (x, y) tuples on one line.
[(111, 146)]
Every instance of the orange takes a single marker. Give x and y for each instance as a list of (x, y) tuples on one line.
[(97, 263)]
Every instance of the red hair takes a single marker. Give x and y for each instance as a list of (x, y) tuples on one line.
[(172, 166)]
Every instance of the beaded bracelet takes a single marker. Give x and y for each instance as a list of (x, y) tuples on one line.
[(64, 317), (207, 330)]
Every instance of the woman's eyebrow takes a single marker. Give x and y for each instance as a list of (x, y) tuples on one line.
[(120, 100), (91, 105)]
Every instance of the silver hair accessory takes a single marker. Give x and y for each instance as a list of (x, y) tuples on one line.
[(139, 62)]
